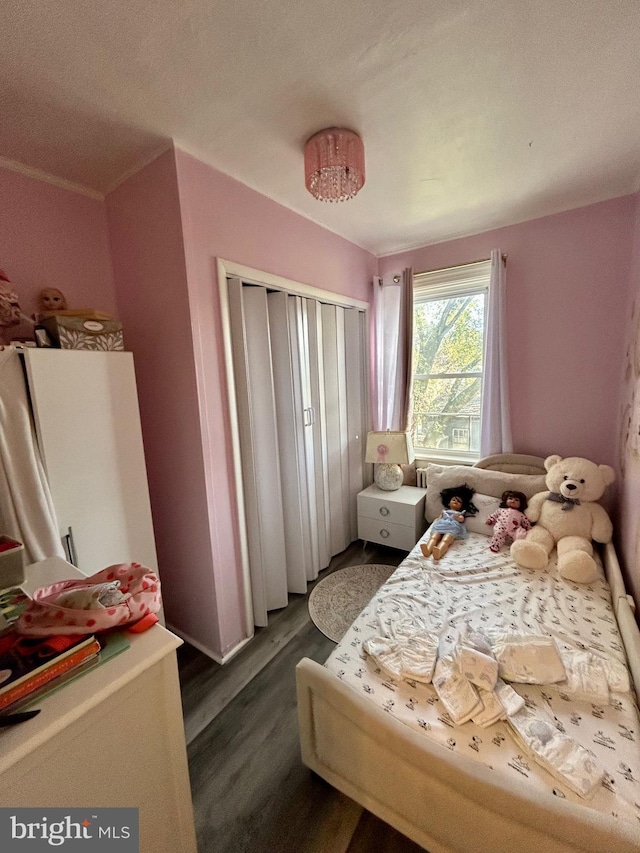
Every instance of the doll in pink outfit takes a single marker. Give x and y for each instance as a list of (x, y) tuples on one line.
[(509, 521)]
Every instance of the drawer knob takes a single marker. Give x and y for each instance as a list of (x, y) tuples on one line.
[(384, 510), (384, 533)]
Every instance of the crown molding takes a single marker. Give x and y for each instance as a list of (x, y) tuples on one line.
[(39, 175)]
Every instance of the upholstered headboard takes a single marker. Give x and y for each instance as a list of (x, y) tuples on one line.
[(512, 463)]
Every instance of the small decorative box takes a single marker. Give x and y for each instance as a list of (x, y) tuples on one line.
[(82, 333)]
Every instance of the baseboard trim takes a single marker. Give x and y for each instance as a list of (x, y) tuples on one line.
[(207, 651)]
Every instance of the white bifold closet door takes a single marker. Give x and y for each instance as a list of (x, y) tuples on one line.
[(255, 400), (294, 415), (319, 432), (300, 384), (357, 397), (345, 401), (337, 439)]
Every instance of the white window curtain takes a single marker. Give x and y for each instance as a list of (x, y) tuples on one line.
[(496, 419), (393, 317)]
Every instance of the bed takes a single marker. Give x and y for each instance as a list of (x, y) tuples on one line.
[(386, 743)]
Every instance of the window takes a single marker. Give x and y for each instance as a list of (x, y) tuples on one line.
[(449, 310)]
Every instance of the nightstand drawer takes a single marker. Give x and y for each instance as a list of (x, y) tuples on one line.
[(383, 508), (384, 533)]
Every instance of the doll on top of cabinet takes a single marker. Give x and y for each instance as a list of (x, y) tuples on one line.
[(51, 300), (14, 324)]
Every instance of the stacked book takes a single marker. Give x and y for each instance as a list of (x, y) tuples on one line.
[(30, 666)]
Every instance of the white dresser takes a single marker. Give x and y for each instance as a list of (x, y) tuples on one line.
[(113, 737), (395, 518)]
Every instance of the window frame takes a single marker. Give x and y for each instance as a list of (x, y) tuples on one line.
[(450, 282)]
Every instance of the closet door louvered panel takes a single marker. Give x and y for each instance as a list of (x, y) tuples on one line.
[(356, 408), (290, 375), (258, 438), (319, 450), (337, 438), (310, 415)]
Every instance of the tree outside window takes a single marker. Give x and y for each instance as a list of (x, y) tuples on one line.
[(448, 345)]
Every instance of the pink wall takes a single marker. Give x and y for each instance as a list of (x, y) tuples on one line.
[(573, 285), (168, 224), (149, 270), (627, 516), (221, 214), (225, 219), (567, 282), (54, 237)]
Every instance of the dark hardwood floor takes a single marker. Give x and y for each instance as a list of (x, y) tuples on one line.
[(251, 791)]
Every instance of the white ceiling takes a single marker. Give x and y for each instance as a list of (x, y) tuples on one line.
[(474, 113)]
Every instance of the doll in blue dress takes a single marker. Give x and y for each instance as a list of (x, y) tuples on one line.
[(449, 525)]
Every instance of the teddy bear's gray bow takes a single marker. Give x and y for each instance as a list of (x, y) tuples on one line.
[(567, 503)]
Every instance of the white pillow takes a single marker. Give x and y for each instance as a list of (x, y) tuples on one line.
[(484, 481), (487, 505)]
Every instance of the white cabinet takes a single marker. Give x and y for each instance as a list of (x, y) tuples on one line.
[(395, 519), (85, 408)]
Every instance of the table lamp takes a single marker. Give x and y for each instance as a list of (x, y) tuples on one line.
[(388, 450)]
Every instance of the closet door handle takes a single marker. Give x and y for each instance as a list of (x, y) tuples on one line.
[(70, 548), (312, 415)]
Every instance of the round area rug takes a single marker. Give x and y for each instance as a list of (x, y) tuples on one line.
[(335, 602)]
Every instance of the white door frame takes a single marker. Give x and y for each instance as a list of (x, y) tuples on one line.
[(275, 282)]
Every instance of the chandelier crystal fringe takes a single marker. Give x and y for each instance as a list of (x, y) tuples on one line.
[(334, 164)]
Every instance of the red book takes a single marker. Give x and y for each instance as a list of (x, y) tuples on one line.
[(28, 663)]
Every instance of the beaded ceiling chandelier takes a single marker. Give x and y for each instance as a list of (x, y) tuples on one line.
[(334, 164)]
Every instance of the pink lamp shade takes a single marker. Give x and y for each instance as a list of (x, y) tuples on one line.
[(334, 164)]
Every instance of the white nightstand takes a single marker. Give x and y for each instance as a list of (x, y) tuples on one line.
[(395, 518)]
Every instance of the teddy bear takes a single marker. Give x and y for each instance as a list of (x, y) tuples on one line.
[(567, 517)]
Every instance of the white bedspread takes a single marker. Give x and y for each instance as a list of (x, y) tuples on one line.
[(473, 585)]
